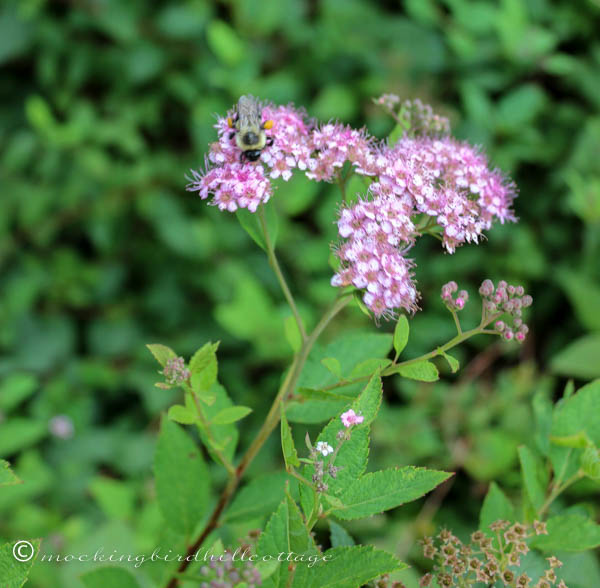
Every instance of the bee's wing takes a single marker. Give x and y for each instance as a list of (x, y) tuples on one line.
[(249, 111)]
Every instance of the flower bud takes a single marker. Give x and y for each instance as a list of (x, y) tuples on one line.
[(499, 326)]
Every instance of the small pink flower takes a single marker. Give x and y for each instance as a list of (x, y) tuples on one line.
[(350, 418)]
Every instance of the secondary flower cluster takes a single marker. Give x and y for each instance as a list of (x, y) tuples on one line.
[(427, 176), (486, 560), (225, 572), (510, 300), (175, 371)]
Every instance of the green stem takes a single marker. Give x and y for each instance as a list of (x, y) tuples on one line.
[(393, 367), (206, 427), (286, 389), (280, 277), (558, 489)]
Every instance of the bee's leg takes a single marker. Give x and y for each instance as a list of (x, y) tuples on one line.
[(242, 157), (231, 135), (269, 142)]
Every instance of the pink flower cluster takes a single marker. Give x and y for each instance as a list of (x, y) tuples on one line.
[(175, 371), (350, 418), (425, 182)]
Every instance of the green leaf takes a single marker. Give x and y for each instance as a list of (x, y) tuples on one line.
[(182, 478), (225, 43), (250, 222), (347, 567), (15, 389), (339, 536), (292, 333), (287, 443), (379, 491), (109, 576), (496, 506), (452, 361), (115, 498), (203, 367), (401, 333), (225, 436), (259, 497), (13, 572), (423, 371), (584, 295), (230, 415), (569, 532), (7, 476), (182, 414), (579, 359), (18, 433), (590, 463), (535, 476), (369, 367), (542, 411), (285, 532), (580, 413), (578, 441), (333, 365), (161, 353)]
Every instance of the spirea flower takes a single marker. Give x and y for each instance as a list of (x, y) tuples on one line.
[(334, 144), (175, 371), (235, 183), (350, 418), (324, 448)]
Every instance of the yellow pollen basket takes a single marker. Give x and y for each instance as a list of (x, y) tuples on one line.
[(268, 124), (229, 122)]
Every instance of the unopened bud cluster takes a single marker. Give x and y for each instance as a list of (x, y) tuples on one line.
[(226, 571), (486, 560), (510, 300), (175, 371), (454, 303), (386, 582)]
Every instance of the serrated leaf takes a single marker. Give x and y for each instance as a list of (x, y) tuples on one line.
[(423, 371), (182, 414), (231, 415), (112, 576), (333, 365), (204, 367), (452, 361), (7, 476), (161, 353), (285, 532), (13, 573), (287, 443), (182, 478), (401, 333), (369, 367), (590, 463), (292, 333), (339, 536), (259, 497), (380, 491), (496, 506), (535, 476), (347, 567), (569, 532)]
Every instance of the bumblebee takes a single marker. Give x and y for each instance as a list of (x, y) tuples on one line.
[(248, 130)]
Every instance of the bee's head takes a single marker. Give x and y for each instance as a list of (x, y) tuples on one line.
[(250, 138)]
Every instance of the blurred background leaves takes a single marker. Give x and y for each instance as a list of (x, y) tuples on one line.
[(105, 105)]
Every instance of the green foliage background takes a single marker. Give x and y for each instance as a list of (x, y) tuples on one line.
[(107, 104)]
